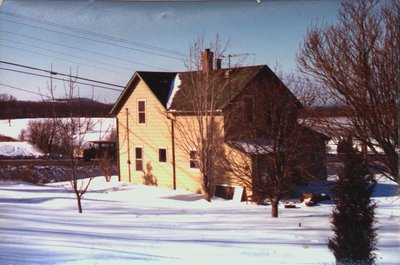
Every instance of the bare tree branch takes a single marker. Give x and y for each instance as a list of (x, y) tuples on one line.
[(358, 61)]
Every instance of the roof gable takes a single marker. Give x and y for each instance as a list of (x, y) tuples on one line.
[(158, 82)]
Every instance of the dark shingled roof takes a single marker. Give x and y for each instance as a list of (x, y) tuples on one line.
[(159, 83), (228, 83)]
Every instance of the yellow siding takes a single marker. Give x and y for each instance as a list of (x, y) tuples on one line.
[(186, 134), (240, 175), (151, 136), (186, 178), (155, 134)]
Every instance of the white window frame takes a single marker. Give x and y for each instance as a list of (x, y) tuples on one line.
[(139, 112)]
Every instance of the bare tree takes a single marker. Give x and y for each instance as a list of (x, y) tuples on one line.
[(112, 135), (71, 132), (200, 125), (358, 61), (44, 134), (107, 165), (7, 105), (275, 150)]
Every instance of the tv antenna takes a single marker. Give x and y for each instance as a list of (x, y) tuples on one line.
[(229, 56)]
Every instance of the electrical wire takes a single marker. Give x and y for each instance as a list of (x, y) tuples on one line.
[(57, 78), (147, 46), (63, 59), (80, 49), (21, 89), (66, 54), (91, 39), (57, 73)]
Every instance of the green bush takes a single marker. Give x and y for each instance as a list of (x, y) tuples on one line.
[(353, 218)]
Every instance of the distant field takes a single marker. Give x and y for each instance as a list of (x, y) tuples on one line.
[(101, 128)]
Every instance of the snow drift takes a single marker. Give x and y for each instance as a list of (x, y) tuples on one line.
[(12, 149)]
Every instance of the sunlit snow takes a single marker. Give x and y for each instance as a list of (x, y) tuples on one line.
[(19, 149), (134, 224), (100, 129)]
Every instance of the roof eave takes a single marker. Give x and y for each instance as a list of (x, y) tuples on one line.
[(174, 111), (123, 96)]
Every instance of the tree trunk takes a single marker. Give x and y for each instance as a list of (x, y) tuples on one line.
[(207, 196), (78, 198), (274, 209), (206, 188)]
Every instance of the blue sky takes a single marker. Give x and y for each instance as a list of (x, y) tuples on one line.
[(110, 40)]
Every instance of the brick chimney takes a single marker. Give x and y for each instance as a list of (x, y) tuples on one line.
[(207, 60), (218, 64)]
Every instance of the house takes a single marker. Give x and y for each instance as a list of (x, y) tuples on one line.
[(337, 123), (155, 116)]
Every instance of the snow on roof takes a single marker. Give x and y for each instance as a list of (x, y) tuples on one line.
[(331, 126), (175, 86), (254, 147)]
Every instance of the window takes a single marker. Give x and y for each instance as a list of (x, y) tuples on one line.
[(141, 108), (193, 162), (139, 159), (105, 145), (248, 109), (162, 155)]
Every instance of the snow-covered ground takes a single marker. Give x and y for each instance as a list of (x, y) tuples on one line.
[(11, 149), (100, 130), (134, 224)]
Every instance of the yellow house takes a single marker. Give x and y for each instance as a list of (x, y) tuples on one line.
[(155, 118)]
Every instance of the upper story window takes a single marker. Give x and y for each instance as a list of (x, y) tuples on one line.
[(248, 109), (141, 110)]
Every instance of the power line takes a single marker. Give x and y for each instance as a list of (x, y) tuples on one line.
[(80, 49), (147, 46), (91, 39), (57, 73), (60, 58), (21, 89), (56, 78), (63, 53)]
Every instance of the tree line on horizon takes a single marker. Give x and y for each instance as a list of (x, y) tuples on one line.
[(11, 108)]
